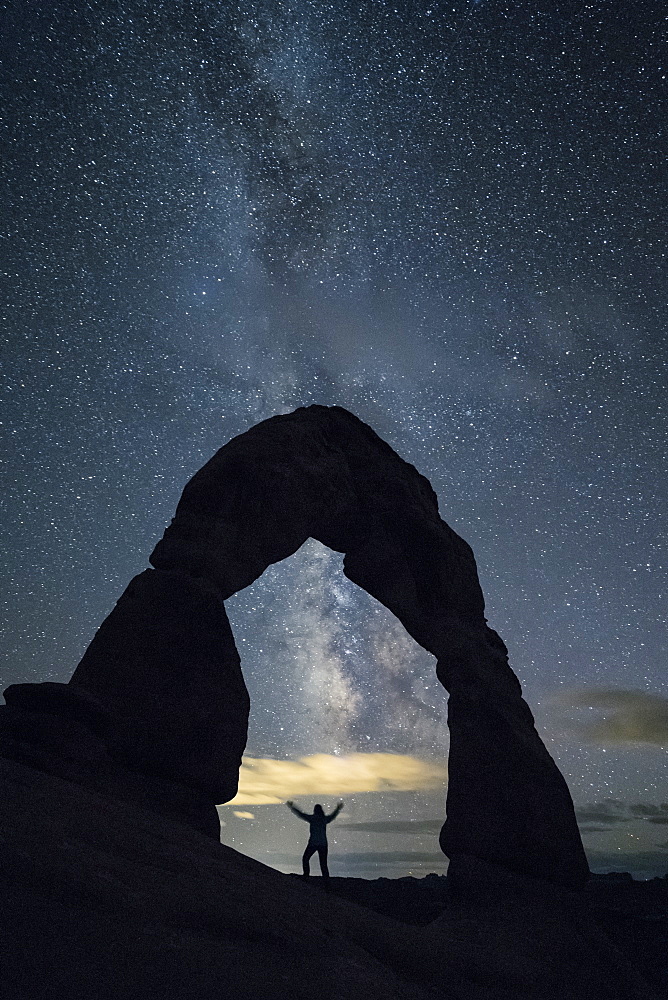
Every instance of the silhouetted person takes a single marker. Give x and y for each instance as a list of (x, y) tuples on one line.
[(317, 840)]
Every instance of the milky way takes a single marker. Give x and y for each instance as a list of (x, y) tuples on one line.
[(443, 217)]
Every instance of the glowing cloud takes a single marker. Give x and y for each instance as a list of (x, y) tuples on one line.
[(620, 716), (268, 782)]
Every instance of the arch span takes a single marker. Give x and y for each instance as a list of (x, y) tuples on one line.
[(165, 667)]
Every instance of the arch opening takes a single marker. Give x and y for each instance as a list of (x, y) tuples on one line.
[(329, 669), (344, 705)]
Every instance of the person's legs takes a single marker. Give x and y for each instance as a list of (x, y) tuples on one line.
[(322, 855), (308, 853)]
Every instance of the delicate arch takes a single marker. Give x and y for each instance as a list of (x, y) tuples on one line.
[(165, 667)]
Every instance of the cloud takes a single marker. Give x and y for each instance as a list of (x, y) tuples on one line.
[(411, 826), (644, 810), (265, 781), (609, 813), (621, 716), (596, 817), (641, 864)]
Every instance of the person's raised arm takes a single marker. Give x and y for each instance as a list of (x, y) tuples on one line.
[(335, 813), (298, 812)]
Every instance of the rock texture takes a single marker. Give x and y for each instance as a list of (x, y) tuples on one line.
[(162, 678)]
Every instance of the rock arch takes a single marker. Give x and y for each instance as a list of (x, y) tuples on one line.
[(165, 670)]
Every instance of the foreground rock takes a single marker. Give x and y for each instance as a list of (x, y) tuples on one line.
[(103, 900), (631, 915)]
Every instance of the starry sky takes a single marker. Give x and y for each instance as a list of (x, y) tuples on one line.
[(445, 217)]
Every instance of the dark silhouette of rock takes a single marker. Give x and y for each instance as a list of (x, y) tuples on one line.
[(166, 668), (115, 884), (161, 680), (65, 733), (107, 900)]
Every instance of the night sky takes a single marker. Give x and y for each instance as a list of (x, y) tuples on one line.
[(446, 217)]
